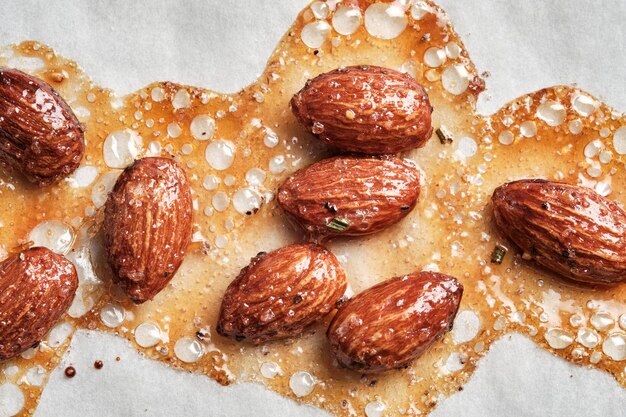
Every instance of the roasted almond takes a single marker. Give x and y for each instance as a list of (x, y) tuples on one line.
[(36, 287), (365, 109), (147, 226), (350, 195), (280, 293), (388, 325), (40, 136), (569, 229)]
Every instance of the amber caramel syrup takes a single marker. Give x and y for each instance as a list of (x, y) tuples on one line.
[(450, 230)]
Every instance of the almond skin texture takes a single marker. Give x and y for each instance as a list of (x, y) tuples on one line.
[(280, 293), (36, 287), (568, 229), (365, 109), (147, 226), (368, 193), (388, 325), (40, 136)]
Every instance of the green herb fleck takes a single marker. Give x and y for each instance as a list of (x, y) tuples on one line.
[(338, 224), (498, 254), (444, 136)]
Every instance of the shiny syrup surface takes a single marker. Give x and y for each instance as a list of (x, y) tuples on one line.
[(244, 145)]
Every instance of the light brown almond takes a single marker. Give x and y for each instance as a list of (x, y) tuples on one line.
[(350, 195), (37, 286), (147, 226), (280, 293), (389, 325), (40, 136), (365, 109), (569, 229)]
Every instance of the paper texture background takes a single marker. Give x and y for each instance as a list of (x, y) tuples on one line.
[(222, 45)]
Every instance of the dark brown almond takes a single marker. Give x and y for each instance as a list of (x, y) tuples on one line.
[(36, 287), (569, 229), (40, 136), (365, 109), (281, 293), (147, 226), (389, 325), (351, 196)]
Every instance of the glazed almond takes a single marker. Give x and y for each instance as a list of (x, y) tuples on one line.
[(350, 195), (569, 229), (280, 293), (37, 286), (147, 226), (40, 136), (387, 326), (365, 109)]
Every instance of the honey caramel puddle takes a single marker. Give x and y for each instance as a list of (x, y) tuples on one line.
[(237, 148)]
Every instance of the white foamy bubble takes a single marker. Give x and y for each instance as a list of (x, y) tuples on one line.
[(112, 315), (605, 156), (528, 129), (174, 130), (347, 20), (320, 9), (83, 177), (154, 148), (619, 140), (466, 147), (277, 164), (246, 201), (314, 34), (302, 383), (506, 137), (255, 177), (375, 409), (588, 338), (552, 112), (271, 139), (147, 334), (269, 370), (455, 79), (220, 154), (575, 127), (434, 57), (603, 188), (385, 20), (121, 148), (54, 235), (466, 326), (614, 346), (100, 191), (202, 127), (188, 349), (35, 376), (453, 50), (210, 182), (601, 321), (220, 201), (419, 10), (157, 94), (593, 148), (181, 99), (558, 338), (584, 105)]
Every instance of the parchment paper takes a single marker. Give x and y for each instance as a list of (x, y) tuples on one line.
[(223, 45)]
